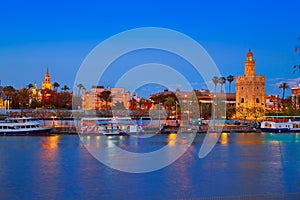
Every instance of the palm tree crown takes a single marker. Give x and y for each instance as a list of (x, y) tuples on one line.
[(215, 80), (230, 79), (283, 86), (222, 81), (106, 97), (80, 86), (65, 88), (56, 85)]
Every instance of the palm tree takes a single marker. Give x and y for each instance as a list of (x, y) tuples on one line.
[(105, 96), (215, 80), (283, 86), (80, 86), (230, 79), (222, 81), (30, 86), (65, 88), (297, 49), (56, 86)]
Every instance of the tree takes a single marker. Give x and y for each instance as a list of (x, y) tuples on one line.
[(242, 112), (222, 81), (56, 86), (106, 97), (140, 103), (9, 92), (23, 95), (64, 100), (283, 86), (65, 88), (158, 98), (30, 86), (118, 106), (230, 79), (257, 112), (80, 86), (169, 103), (46, 98), (297, 49), (215, 80)]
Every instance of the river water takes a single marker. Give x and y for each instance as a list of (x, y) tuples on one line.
[(241, 165)]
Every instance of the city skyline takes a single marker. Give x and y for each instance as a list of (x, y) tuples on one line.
[(59, 36)]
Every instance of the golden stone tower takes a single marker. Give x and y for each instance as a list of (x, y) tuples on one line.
[(250, 92)]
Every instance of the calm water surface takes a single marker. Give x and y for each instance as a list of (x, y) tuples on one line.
[(241, 164)]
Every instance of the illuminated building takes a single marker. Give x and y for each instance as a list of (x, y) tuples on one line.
[(295, 96), (250, 89), (272, 103), (47, 85), (92, 101), (36, 95), (2, 99), (35, 91), (119, 95), (46, 88)]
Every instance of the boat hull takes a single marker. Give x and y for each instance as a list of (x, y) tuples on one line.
[(31, 132), (279, 130)]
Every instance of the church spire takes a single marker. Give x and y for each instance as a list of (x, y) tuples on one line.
[(47, 83)]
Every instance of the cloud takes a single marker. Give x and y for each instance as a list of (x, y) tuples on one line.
[(291, 82)]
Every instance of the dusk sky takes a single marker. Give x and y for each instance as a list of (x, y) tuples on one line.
[(58, 35)]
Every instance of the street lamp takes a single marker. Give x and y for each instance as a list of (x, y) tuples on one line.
[(188, 113), (176, 112), (159, 114)]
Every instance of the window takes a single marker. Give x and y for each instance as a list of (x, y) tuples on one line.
[(242, 100), (242, 88), (257, 100), (256, 87)]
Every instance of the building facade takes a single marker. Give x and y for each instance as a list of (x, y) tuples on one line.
[(92, 101), (120, 96), (250, 89), (296, 96), (272, 103)]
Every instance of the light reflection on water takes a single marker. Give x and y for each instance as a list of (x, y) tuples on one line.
[(59, 167)]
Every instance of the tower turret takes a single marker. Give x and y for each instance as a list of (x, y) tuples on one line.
[(249, 64)]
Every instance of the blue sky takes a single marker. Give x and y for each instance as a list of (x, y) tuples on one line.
[(58, 35)]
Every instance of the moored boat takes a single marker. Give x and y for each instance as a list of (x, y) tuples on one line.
[(109, 126), (23, 126), (280, 127)]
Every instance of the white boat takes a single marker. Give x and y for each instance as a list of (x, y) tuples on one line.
[(280, 127), (109, 126), (23, 126)]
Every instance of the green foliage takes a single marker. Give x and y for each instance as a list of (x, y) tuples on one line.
[(106, 97), (230, 79), (215, 80), (118, 106), (222, 81)]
